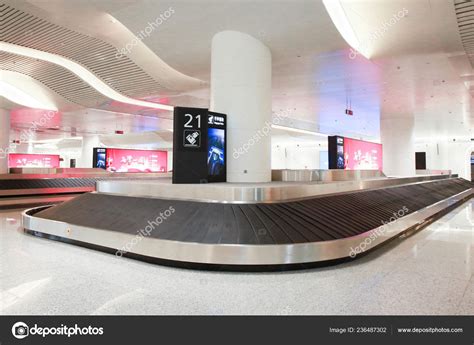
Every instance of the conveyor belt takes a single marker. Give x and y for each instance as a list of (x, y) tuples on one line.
[(258, 237), (310, 220)]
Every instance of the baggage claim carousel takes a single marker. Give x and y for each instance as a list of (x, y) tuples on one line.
[(262, 227)]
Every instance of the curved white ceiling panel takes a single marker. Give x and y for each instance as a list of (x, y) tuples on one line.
[(25, 91), (341, 21), (56, 78), (18, 96), (80, 72), (37, 89), (377, 29), (30, 26)]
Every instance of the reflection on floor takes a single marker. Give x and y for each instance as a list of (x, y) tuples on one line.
[(430, 272)]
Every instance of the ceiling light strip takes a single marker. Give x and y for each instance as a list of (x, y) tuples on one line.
[(297, 130)]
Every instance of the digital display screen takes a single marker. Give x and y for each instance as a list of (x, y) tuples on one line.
[(362, 155), (340, 156), (20, 160), (100, 158), (216, 151), (129, 161)]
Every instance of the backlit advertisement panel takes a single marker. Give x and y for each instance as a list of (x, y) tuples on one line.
[(215, 154), (362, 155), (129, 161), (20, 160)]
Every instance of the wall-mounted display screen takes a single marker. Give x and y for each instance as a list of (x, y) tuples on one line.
[(23, 160), (130, 161), (362, 155), (216, 147), (353, 154), (100, 158), (215, 152)]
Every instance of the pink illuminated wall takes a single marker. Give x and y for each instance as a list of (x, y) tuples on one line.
[(36, 118), (123, 160), (362, 155), (19, 160)]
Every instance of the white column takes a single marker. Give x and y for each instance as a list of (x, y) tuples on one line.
[(241, 71), (397, 136), (88, 144), (4, 140)]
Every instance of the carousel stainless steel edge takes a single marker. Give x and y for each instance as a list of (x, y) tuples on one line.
[(248, 193)]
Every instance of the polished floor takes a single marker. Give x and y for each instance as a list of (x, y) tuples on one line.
[(430, 272)]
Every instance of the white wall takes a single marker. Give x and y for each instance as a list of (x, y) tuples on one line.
[(296, 157), (278, 157), (448, 155)]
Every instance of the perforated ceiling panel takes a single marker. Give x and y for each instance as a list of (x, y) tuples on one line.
[(465, 17), (121, 74), (58, 79)]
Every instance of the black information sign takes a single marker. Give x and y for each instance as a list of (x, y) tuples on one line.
[(199, 147), (190, 145), (336, 152)]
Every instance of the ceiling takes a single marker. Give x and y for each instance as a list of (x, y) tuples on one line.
[(418, 66)]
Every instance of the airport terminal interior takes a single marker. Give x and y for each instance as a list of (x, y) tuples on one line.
[(256, 157)]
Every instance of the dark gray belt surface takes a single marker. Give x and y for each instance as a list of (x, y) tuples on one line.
[(71, 182), (309, 220)]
